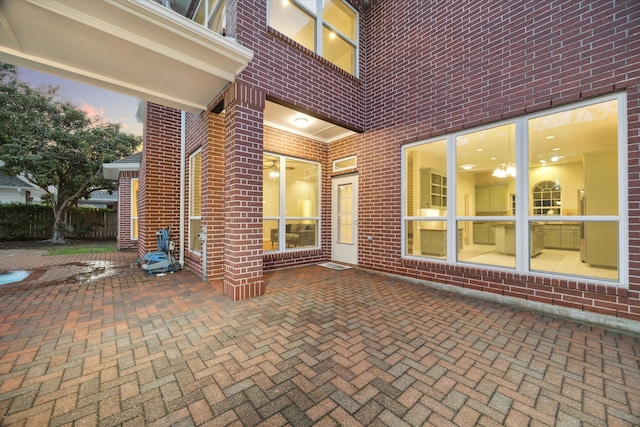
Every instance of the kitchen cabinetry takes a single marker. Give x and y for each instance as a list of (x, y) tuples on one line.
[(483, 234), (536, 239), (433, 188), (434, 242), (562, 236), (491, 199), (506, 239)]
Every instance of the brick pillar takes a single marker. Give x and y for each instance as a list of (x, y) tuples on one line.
[(243, 194), (159, 179)]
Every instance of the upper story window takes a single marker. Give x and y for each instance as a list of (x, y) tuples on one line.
[(208, 13), (327, 27)]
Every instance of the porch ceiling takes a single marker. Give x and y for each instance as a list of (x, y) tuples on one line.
[(136, 47)]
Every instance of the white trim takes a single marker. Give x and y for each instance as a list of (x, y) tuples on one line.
[(344, 159)]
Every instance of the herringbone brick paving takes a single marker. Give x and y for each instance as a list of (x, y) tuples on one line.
[(91, 341)]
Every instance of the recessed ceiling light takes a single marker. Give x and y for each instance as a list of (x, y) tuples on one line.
[(550, 136), (556, 149), (479, 149), (467, 167), (544, 162), (493, 158), (301, 121)]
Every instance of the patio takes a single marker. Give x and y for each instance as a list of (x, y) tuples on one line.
[(92, 340)]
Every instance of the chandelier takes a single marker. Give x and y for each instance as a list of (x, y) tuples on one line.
[(504, 170)]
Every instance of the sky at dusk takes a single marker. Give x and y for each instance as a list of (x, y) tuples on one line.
[(111, 106)]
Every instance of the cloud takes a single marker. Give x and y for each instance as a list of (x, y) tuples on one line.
[(91, 110)]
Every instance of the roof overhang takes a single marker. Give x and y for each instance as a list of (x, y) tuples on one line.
[(112, 170), (136, 47)]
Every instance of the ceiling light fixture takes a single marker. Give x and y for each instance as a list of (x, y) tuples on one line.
[(467, 167), (301, 121)]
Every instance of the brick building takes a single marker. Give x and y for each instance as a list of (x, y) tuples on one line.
[(482, 146), (550, 89)]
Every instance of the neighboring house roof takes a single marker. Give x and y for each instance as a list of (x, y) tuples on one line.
[(14, 182), (129, 163), (103, 196), (100, 199)]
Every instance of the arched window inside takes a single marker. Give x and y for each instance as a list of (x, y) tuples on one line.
[(547, 198)]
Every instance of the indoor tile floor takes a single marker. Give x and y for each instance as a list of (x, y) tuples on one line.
[(92, 340)]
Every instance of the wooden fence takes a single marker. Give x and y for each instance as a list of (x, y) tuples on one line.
[(36, 222)]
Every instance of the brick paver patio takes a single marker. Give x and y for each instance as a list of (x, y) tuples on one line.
[(89, 340)]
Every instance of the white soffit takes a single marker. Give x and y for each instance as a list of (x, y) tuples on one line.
[(283, 118), (136, 47)]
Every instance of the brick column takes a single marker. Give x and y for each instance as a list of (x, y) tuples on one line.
[(159, 179), (243, 194)]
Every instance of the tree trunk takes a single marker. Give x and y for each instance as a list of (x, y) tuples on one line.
[(59, 226)]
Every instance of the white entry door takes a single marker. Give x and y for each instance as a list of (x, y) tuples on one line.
[(344, 217)]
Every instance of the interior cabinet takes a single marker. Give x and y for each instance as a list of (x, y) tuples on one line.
[(483, 234), (562, 236), (491, 199), (536, 239), (506, 239), (434, 242), (433, 188)]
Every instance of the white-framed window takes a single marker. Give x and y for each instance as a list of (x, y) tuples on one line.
[(208, 13), (291, 203), (345, 164), (195, 201), (543, 193), (211, 14), (134, 208), (326, 27)]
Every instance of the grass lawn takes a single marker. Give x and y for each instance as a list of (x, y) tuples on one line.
[(82, 248)]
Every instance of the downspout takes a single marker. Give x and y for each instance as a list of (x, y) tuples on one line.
[(183, 138)]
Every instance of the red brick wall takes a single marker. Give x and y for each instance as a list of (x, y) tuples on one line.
[(243, 261), (206, 132), (124, 210), (434, 70), (285, 70), (159, 189)]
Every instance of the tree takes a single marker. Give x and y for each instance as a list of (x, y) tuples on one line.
[(55, 145)]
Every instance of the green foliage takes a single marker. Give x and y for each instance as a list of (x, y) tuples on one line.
[(55, 144), (22, 222), (25, 222)]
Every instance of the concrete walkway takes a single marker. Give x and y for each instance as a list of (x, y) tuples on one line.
[(89, 340)]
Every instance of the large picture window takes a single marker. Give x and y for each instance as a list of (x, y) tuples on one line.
[(195, 201), (291, 203), (543, 193), (327, 27)]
